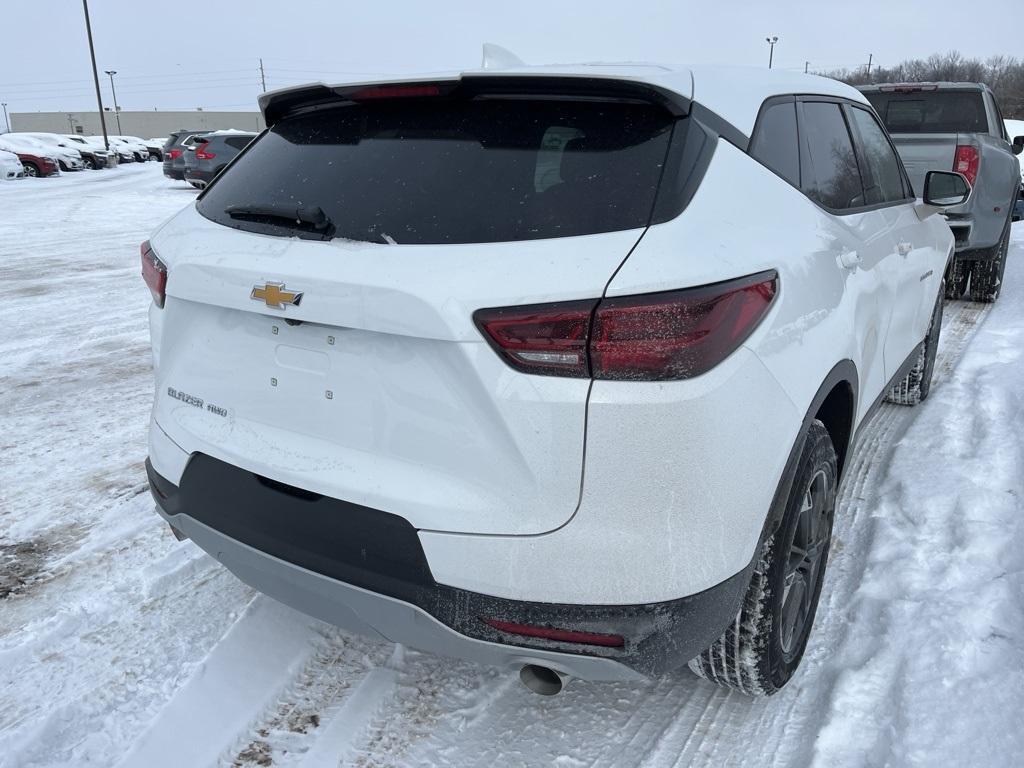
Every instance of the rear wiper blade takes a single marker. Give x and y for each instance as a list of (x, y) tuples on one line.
[(295, 214)]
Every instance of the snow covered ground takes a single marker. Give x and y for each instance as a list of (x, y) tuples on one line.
[(120, 645)]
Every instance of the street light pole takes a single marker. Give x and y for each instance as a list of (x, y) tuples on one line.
[(95, 75), (771, 50), (7, 122), (117, 109)]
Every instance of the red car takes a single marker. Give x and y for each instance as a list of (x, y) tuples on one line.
[(35, 165)]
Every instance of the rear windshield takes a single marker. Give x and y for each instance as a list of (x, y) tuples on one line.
[(459, 171), (931, 111)]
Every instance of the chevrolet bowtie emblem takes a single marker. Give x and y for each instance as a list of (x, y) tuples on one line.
[(275, 296)]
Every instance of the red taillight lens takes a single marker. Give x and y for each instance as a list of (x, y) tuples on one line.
[(650, 337), (154, 272), (543, 338), (680, 334), (174, 154), (202, 154), (559, 635), (968, 161)]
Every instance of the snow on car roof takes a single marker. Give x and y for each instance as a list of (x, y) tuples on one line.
[(734, 93)]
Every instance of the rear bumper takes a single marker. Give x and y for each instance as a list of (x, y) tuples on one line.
[(364, 570), (174, 173), (199, 175)]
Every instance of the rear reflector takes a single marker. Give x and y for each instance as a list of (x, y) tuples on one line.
[(968, 162), (154, 272), (649, 337), (558, 635)]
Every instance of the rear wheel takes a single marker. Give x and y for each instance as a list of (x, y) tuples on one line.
[(916, 385), (762, 648), (957, 275), (987, 275)]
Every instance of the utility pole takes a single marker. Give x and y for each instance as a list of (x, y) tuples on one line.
[(7, 122), (771, 50), (117, 109), (807, 66), (871, 58), (95, 74), (263, 77)]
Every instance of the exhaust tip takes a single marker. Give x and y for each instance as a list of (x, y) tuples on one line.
[(541, 680)]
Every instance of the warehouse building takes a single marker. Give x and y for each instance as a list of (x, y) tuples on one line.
[(143, 124)]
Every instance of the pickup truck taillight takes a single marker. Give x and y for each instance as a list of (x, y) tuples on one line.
[(968, 161), (649, 337), (154, 272)]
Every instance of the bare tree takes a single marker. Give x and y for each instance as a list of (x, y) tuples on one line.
[(1003, 74)]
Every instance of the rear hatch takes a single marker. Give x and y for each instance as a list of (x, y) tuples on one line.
[(319, 330), (928, 124)]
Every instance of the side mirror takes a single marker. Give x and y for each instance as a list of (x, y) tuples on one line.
[(1018, 145), (945, 189), (942, 190)]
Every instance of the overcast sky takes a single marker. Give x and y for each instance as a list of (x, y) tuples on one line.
[(187, 55)]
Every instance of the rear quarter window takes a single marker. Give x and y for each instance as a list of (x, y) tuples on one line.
[(776, 143), (454, 171)]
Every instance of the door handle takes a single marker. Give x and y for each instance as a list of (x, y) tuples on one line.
[(850, 259), (905, 248)]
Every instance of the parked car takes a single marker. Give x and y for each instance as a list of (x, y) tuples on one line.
[(125, 154), (94, 154), (69, 159), (10, 166), (36, 159), (156, 148), (1015, 128), (501, 367), (215, 150), (959, 126), (139, 147), (177, 143)]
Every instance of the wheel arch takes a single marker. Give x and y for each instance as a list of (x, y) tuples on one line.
[(835, 405)]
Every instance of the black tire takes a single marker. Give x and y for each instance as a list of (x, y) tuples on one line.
[(957, 275), (31, 169), (918, 383), (139, 158), (89, 163), (759, 652), (987, 275)]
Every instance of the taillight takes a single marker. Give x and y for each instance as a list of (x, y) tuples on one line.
[(968, 161), (542, 338), (202, 154), (559, 635), (649, 337), (154, 272), (174, 154)]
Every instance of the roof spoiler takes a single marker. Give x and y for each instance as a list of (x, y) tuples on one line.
[(277, 104)]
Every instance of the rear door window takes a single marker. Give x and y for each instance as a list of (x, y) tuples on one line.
[(238, 142), (931, 111), (453, 171), (831, 175), (776, 143), (881, 167)]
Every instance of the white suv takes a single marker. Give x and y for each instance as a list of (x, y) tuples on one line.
[(553, 368)]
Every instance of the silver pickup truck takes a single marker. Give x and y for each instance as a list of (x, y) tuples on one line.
[(959, 126)]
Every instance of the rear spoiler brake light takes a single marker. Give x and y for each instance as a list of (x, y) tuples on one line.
[(907, 88)]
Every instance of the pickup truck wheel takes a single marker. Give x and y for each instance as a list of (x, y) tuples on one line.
[(916, 385), (957, 275), (987, 276), (761, 649)]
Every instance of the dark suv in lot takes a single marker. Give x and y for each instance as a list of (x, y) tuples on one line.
[(174, 151), (211, 153)]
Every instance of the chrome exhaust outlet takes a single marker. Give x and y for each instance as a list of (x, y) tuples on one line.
[(543, 680)]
